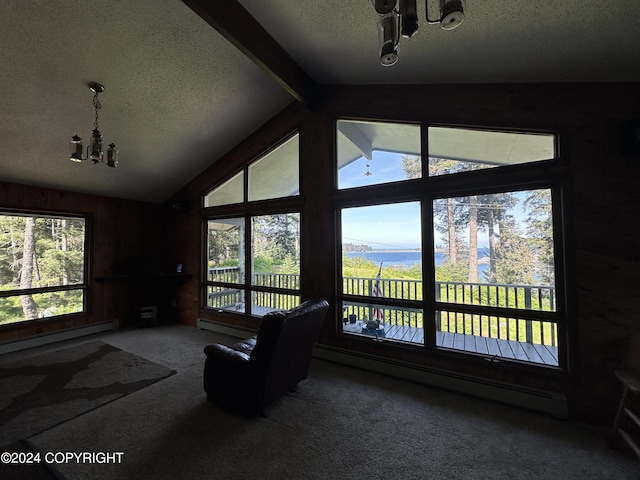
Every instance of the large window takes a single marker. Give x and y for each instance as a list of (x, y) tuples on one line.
[(372, 153), (42, 266), (269, 279), (469, 265), (496, 252), (253, 260), (382, 269)]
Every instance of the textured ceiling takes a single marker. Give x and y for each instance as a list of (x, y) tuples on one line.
[(178, 95), (335, 41)]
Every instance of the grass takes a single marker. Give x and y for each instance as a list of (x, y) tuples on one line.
[(406, 284)]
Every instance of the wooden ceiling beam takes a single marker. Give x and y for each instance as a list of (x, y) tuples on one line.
[(235, 23)]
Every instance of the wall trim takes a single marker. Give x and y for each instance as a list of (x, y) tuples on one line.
[(57, 336), (224, 328), (553, 403)]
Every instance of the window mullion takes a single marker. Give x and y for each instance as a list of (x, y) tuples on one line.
[(428, 274)]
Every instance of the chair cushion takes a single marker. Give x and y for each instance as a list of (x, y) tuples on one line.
[(245, 346)]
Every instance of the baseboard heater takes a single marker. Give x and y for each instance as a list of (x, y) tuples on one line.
[(553, 403), (57, 336), (224, 328)]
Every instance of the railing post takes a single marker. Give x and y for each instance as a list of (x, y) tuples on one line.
[(527, 306), (438, 319)]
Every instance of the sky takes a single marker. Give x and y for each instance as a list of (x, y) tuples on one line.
[(390, 226), (384, 167), (395, 226)]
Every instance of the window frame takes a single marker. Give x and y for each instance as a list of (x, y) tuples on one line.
[(247, 210), (83, 286), (548, 174)]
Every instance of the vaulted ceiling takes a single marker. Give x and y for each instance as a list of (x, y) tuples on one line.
[(185, 81)]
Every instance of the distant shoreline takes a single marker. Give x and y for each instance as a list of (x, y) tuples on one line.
[(390, 251), (482, 258), (406, 258), (403, 250)]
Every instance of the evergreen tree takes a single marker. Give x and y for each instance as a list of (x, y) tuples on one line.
[(276, 236), (540, 228), (492, 211), (515, 258), (29, 306), (443, 209)]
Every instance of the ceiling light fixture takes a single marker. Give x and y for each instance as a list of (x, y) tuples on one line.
[(94, 150), (404, 20)]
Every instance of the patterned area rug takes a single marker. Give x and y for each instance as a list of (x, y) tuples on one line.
[(43, 391)]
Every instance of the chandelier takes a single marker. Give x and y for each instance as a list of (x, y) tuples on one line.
[(95, 149), (404, 20)]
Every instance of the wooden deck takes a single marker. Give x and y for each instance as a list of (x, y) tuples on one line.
[(491, 347), (528, 352)]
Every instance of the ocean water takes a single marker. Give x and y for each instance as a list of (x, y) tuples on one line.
[(404, 259)]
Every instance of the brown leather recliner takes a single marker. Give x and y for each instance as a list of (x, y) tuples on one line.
[(247, 376)]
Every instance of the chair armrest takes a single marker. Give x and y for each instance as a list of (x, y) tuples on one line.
[(230, 378), (224, 354)]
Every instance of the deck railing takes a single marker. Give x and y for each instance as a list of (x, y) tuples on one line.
[(390, 288), (289, 281), (233, 298), (527, 297), (523, 297)]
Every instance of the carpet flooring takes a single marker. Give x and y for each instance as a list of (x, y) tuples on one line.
[(40, 392), (341, 423)]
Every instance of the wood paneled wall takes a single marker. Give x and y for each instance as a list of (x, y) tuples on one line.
[(602, 227), (120, 232), (602, 212)]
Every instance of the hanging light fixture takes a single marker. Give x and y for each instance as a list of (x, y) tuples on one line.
[(389, 38), (451, 14), (95, 150), (404, 19)]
